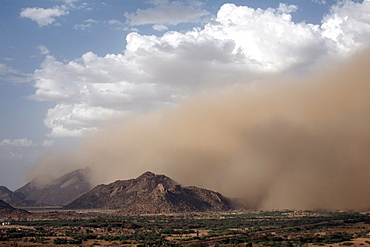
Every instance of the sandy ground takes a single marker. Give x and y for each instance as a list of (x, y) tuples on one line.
[(358, 242)]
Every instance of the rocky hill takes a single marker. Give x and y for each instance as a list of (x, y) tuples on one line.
[(10, 197), (5, 206), (7, 211), (60, 191), (151, 193)]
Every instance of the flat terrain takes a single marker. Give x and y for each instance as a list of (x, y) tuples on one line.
[(248, 228)]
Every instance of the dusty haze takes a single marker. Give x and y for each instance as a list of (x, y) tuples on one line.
[(281, 143)]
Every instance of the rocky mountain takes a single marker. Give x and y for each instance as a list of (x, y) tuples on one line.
[(10, 197), (5, 206), (151, 193), (7, 211), (60, 191)]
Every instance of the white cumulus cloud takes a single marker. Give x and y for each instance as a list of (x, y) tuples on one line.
[(43, 17), (348, 25), (239, 45), (166, 12)]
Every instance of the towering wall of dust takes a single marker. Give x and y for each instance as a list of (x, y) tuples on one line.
[(281, 143)]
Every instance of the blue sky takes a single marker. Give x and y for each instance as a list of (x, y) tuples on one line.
[(67, 66)]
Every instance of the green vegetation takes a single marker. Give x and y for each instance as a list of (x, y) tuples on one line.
[(269, 228)]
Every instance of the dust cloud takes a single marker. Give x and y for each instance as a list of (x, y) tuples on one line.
[(280, 143)]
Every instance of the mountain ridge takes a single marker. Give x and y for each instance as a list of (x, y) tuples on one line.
[(151, 193), (58, 192), (10, 197)]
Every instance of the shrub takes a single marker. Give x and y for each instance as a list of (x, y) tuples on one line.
[(195, 245), (60, 241), (347, 243)]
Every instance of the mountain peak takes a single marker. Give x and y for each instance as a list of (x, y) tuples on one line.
[(147, 174), (60, 191), (151, 193), (10, 197)]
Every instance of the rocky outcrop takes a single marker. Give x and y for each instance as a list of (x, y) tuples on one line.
[(151, 193)]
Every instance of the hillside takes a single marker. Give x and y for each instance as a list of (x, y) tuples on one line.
[(60, 191), (151, 193), (5, 206), (7, 212), (10, 197)]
